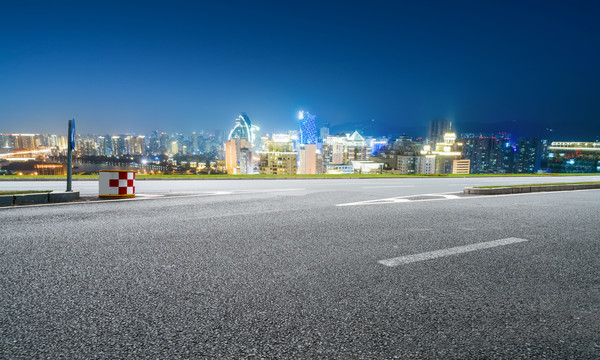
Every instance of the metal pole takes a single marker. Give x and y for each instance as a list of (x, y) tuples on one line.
[(69, 159)]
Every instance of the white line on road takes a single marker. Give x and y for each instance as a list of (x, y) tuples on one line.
[(388, 186), (400, 199), (140, 197), (450, 251), (443, 196)]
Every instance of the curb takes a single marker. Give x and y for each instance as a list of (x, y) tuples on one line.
[(527, 189), (40, 198)]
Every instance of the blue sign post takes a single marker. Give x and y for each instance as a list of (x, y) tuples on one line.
[(70, 154)]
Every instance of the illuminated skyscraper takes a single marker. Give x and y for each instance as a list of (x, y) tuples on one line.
[(308, 128), (242, 128)]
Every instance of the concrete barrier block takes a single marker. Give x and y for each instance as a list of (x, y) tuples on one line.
[(585, 186), (26, 199), (501, 191), (63, 196), (466, 190), (567, 187), (6, 200), (521, 189), (540, 188), (474, 191)]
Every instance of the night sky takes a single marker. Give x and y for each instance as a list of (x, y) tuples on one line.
[(132, 67)]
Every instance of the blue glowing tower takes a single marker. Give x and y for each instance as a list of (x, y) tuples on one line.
[(308, 128)]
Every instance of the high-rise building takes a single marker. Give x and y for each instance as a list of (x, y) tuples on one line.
[(311, 160), (174, 149), (308, 128), (139, 145), (334, 151), (118, 145), (437, 129), (358, 150), (194, 142), (529, 155), (242, 129), (489, 155), (24, 141), (416, 164), (128, 142), (277, 156), (445, 153), (324, 132), (238, 156)]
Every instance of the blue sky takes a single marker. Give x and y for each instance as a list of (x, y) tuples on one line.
[(133, 66)]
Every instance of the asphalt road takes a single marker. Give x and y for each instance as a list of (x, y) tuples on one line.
[(296, 269), (403, 186)]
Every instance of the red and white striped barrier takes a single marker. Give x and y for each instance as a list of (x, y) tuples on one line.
[(116, 184)]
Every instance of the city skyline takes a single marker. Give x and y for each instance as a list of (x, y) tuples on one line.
[(125, 68)]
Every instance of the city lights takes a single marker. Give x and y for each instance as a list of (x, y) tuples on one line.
[(244, 150)]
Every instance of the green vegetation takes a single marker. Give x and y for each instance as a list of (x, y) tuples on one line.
[(19, 192), (298, 176), (545, 184)]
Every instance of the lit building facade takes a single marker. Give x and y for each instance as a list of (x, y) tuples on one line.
[(461, 166), (277, 156), (489, 155), (437, 129), (415, 164), (529, 155), (574, 157), (242, 129), (357, 148), (238, 156), (310, 160), (445, 153)]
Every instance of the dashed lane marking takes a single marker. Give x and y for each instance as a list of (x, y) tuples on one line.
[(402, 260)]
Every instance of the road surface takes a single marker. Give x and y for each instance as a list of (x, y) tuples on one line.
[(365, 269)]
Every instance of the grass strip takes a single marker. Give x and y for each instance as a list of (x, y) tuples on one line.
[(522, 185), (19, 192), (297, 176), (317, 176)]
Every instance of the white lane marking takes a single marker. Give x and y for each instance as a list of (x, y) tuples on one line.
[(140, 197), (450, 251), (388, 186), (452, 197), (402, 199)]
